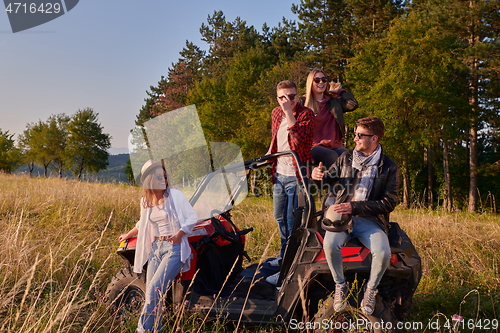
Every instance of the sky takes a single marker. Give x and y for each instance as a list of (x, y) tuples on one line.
[(104, 55)]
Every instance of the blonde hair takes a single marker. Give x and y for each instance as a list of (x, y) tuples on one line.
[(311, 102), (148, 191)]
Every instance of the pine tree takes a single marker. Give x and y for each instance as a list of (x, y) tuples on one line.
[(322, 24), (409, 79), (475, 23), (334, 29)]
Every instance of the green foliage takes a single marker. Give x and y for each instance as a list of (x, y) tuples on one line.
[(87, 145), (332, 30), (64, 142), (9, 154), (239, 104), (233, 111), (475, 26), (410, 79), (230, 86), (428, 69), (225, 40), (57, 140), (27, 156), (129, 173), (322, 24), (34, 142), (284, 41), (371, 19)]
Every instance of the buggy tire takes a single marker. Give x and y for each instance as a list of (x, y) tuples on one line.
[(353, 320), (125, 292)]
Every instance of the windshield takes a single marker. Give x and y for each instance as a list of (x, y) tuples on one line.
[(212, 175)]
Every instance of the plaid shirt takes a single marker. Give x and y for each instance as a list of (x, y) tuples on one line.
[(299, 135)]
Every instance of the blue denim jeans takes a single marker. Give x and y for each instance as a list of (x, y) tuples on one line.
[(163, 266), (371, 235), (285, 202)]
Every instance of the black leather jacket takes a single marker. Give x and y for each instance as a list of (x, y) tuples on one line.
[(383, 197), (339, 106)]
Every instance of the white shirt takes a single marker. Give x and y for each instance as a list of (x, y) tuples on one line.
[(187, 220), (285, 165), (162, 221)]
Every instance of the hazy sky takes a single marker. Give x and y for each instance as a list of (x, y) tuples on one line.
[(105, 54)]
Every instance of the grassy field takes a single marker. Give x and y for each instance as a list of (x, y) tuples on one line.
[(59, 237)]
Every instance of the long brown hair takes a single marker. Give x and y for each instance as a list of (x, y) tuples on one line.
[(148, 192)]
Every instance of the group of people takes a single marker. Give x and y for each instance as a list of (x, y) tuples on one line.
[(365, 191), (313, 127), (362, 183)]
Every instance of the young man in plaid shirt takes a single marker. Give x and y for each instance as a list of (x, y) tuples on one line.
[(292, 129)]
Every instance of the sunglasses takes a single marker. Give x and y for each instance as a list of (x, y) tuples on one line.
[(360, 135), (290, 97), (319, 79)]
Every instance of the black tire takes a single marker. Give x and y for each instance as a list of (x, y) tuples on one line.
[(315, 295), (125, 292), (352, 320)]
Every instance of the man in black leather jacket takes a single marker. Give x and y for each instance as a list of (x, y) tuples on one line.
[(366, 184)]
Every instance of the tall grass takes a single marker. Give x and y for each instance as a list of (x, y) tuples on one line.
[(57, 254), (257, 212), (58, 240), (461, 256)]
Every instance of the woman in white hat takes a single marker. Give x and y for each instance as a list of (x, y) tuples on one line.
[(166, 220)]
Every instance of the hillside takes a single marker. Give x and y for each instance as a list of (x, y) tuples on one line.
[(115, 172)]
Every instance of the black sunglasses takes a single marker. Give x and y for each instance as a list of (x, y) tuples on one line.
[(291, 96), (360, 135), (319, 79)]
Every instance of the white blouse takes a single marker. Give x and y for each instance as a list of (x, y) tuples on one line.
[(163, 223), (187, 220)]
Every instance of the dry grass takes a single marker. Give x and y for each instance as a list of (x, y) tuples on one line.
[(57, 251), (59, 239), (461, 255), (258, 214)]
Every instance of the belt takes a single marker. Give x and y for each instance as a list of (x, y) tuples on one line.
[(162, 238)]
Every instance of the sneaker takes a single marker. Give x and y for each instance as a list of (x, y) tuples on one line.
[(275, 262), (368, 302), (273, 279), (340, 298)]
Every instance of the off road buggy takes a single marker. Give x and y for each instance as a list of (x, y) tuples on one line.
[(218, 282)]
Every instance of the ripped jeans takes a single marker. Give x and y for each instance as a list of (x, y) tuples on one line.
[(372, 236), (163, 266)]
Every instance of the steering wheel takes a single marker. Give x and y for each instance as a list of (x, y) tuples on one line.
[(231, 236)]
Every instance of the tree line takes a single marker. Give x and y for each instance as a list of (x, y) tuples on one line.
[(429, 69), (61, 143)]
